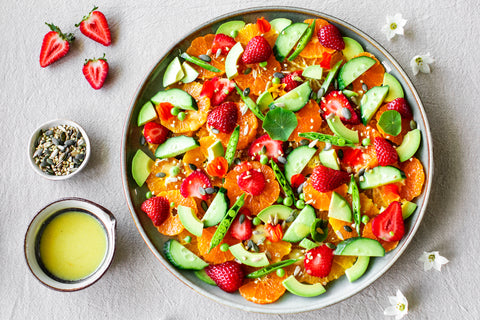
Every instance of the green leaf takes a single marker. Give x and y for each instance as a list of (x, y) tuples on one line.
[(280, 123), (391, 122)]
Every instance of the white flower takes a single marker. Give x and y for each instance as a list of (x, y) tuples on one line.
[(432, 260), (421, 63), (399, 307), (394, 26)]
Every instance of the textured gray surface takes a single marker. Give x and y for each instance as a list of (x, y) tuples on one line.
[(137, 286)]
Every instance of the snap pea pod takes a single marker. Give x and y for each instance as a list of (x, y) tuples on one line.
[(330, 76), (250, 104), (270, 268), (282, 180), (199, 62), (334, 140), (226, 222), (302, 43), (323, 225), (357, 215), (232, 145)]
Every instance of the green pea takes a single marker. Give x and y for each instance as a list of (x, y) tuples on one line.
[(224, 247), (276, 80), (288, 201), (188, 239), (172, 204), (366, 142), (365, 219), (280, 200), (301, 196), (174, 171), (181, 116), (175, 111), (300, 204), (234, 33), (263, 159), (256, 221), (280, 273), (148, 195), (263, 64)]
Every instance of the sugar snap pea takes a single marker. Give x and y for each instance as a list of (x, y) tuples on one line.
[(250, 104), (323, 225), (282, 181), (353, 190), (270, 268), (199, 62), (302, 43), (334, 140), (330, 76), (232, 145)]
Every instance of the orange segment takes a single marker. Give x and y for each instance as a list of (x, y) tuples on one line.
[(202, 45), (157, 184), (215, 256), (372, 77), (192, 245), (314, 48), (266, 289), (259, 78), (251, 30), (321, 200), (173, 226), (198, 156), (276, 250), (309, 120), (368, 233), (412, 186), (367, 206), (340, 228), (340, 263)]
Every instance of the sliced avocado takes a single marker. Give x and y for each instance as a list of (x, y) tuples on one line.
[(141, 167), (231, 61), (396, 90), (313, 72), (264, 100), (181, 257), (217, 209), (349, 93), (300, 227), (295, 99), (230, 27), (297, 160), (303, 289), (380, 176), (353, 69), (359, 247), (287, 39), (215, 150), (190, 73), (371, 101), (339, 208), (338, 128), (146, 114), (410, 144), (190, 220), (352, 48), (173, 72), (279, 24), (175, 146), (408, 208), (308, 244), (253, 259), (358, 269), (177, 97), (329, 159), (269, 213), (202, 275)]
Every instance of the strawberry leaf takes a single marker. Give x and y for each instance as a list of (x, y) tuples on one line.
[(280, 123)]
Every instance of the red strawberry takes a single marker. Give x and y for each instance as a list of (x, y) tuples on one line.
[(388, 225), (217, 90), (157, 209), (257, 50), (228, 275), (252, 182), (193, 185), (164, 110), (386, 153), (334, 102), (330, 37), (273, 148), (352, 157), (325, 179), (155, 132), (318, 261), (95, 26), (241, 230), (55, 45), (400, 105), (224, 117), (296, 180), (222, 42), (96, 70), (292, 80)]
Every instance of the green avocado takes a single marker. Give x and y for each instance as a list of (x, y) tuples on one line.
[(360, 247), (300, 227), (339, 208), (396, 90), (269, 213), (329, 159), (279, 24), (231, 61), (173, 72), (141, 167), (352, 48), (190, 220), (190, 73), (358, 269), (302, 289), (253, 259), (146, 114), (339, 129), (215, 150), (371, 101), (313, 72), (217, 209), (264, 100), (410, 145), (230, 27)]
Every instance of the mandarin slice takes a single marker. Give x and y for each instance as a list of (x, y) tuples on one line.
[(168, 182), (321, 200), (198, 156), (264, 290), (203, 45), (372, 77), (259, 78), (309, 120), (276, 250), (215, 256), (251, 30), (412, 186), (173, 226)]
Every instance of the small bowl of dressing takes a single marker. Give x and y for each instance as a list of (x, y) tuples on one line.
[(70, 244)]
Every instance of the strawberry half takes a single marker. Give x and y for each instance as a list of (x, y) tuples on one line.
[(389, 225), (273, 148), (217, 90), (296, 180), (55, 45), (252, 182), (95, 71), (334, 102), (224, 117), (330, 37), (241, 228), (223, 43), (386, 153), (157, 209), (228, 275), (318, 261), (95, 26), (292, 80), (400, 105), (325, 179), (155, 133), (193, 185), (257, 50)]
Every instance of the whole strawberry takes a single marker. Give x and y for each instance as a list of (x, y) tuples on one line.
[(386, 153), (292, 80), (95, 26), (400, 105), (325, 179), (157, 209), (95, 71), (318, 261), (228, 275), (330, 37), (257, 50), (55, 45), (224, 117)]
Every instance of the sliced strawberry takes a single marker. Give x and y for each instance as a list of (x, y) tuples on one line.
[(164, 110), (195, 184), (391, 191), (241, 228), (386, 153), (228, 275), (352, 157), (326, 60), (55, 45), (334, 102), (157, 209), (95, 71), (274, 233), (217, 90), (257, 50), (292, 80), (223, 43), (297, 180), (265, 145), (155, 132), (401, 105), (318, 261), (252, 182), (389, 225), (224, 117), (330, 37), (95, 26), (263, 25), (325, 179)]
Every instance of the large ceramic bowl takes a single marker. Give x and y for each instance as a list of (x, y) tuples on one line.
[(289, 303)]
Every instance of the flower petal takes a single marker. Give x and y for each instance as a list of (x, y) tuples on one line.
[(424, 67), (391, 311)]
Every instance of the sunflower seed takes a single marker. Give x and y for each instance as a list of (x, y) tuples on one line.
[(215, 131), (246, 92), (328, 146), (346, 113), (142, 140), (247, 71), (300, 188), (192, 166), (364, 87), (282, 160), (347, 228), (38, 152), (204, 205), (279, 75), (330, 245), (161, 175), (202, 191), (241, 219), (413, 125), (209, 190), (304, 142), (320, 93)]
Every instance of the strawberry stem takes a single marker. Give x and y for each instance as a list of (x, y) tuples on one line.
[(86, 17), (68, 37)]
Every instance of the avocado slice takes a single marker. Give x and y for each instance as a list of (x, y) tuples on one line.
[(181, 257), (410, 144), (268, 214), (253, 259), (231, 61), (217, 209), (297, 160), (358, 269), (190, 220), (353, 69), (308, 244), (264, 100), (175, 146), (190, 73), (380, 176), (146, 114), (352, 48), (339, 129), (302, 289), (313, 72), (359, 246), (300, 227), (202, 275), (339, 208), (279, 24), (230, 27), (141, 167), (215, 150), (177, 97), (173, 72), (408, 208), (295, 99), (371, 101), (287, 39), (329, 159), (396, 90)]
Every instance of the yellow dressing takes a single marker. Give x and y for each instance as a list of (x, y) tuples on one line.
[(73, 245)]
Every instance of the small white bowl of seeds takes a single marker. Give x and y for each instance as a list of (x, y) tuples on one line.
[(59, 149)]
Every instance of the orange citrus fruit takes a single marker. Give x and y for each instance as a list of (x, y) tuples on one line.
[(157, 184), (276, 250), (173, 226), (321, 200), (259, 78), (266, 289), (314, 49), (342, 229), (367, 206), (372, 77), (202, 45), (412, 186), (215, 256), (251, 30), (309, 120), (368, 233), (198, 156)]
